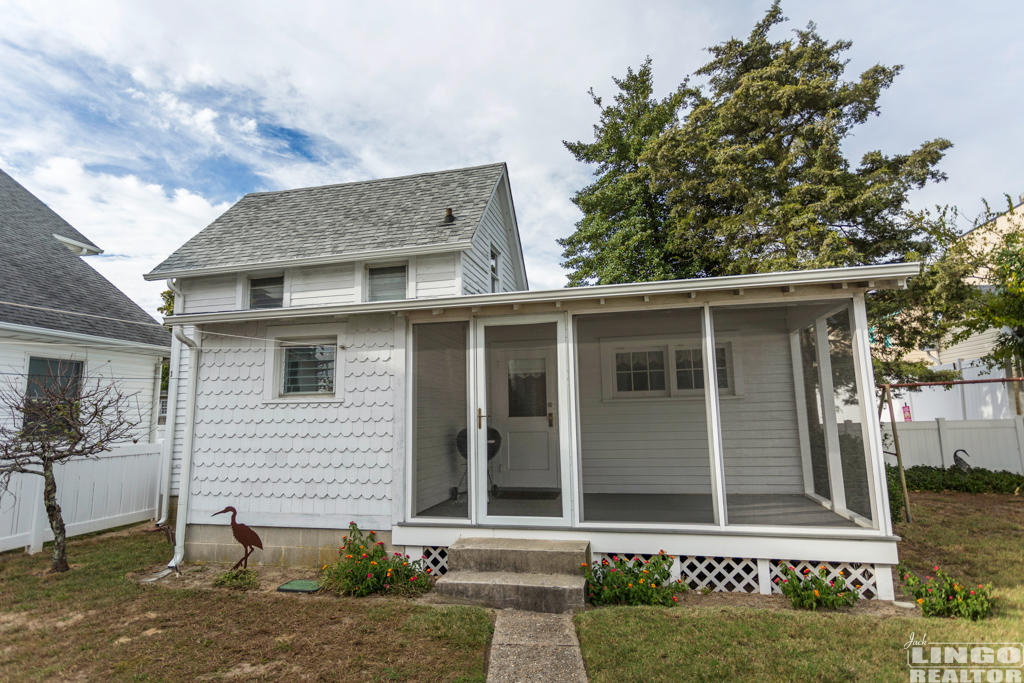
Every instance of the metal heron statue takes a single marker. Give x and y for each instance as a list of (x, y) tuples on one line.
[(244, 535)]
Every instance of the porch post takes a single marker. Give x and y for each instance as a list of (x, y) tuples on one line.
[(828, 400), (575, 455), (871, 430), (713, 419), (800, 395)]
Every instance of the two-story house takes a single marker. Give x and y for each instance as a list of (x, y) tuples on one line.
[(370, 352)]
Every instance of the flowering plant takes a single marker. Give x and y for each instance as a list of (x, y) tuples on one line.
[(364, 567), (637, 582), (943, 596), (813, 590)]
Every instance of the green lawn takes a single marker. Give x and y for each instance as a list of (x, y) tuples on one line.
[(91, 623), (977, 537)]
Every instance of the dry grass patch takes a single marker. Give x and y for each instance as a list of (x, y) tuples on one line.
[(93, 623)]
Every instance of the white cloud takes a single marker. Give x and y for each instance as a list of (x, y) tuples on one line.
[(136, 224), (408, 87)]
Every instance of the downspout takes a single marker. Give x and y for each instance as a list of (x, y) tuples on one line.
[(167, 456), (184, 485)]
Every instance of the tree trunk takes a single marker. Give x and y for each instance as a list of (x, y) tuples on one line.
[(60, 548)]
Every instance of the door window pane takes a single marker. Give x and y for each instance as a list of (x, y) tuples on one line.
[(527, 388)]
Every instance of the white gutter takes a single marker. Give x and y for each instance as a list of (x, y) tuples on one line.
[(84, 339), (348, 257), (184, 481), (869, 276)]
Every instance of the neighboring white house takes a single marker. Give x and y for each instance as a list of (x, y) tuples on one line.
[(993, 401), (369, 352), (57, 310), (59, 315)]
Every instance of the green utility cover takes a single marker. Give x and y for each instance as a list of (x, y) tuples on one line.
[(299, 586)]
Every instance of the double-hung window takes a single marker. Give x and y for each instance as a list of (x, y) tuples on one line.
[(54, 386), (266, 292), (661, 368), (386, 283)]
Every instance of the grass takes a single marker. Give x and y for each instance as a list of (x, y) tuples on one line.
[(239, 580), (92, 623), (976, 537)]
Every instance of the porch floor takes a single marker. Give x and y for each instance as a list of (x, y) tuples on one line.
[(766, 509)]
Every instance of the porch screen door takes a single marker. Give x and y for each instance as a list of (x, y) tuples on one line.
[(522, 415)]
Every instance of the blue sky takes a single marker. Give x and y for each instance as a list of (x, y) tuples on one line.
[(141, 122)]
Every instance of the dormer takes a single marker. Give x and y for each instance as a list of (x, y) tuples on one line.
[(423, 236)]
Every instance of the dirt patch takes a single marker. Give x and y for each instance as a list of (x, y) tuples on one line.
[(202, 575)]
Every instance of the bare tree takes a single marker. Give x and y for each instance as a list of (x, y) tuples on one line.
[(58, 416)]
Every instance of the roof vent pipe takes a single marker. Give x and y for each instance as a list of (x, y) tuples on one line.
[(449, 217)]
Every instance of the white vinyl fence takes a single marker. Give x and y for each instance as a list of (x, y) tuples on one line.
[(115, 489), (990, 444)]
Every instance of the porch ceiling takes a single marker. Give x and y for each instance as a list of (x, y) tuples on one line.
[(789, 285)]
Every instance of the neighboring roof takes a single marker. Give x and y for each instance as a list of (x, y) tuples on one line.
[(341, 220), (888, 276), (38, 269)]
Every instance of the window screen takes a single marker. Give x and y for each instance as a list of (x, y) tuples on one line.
[(309, 369), (267, 292), (387, 284)]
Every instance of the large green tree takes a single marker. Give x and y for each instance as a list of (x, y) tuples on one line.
[(746, 172), (623, 236)]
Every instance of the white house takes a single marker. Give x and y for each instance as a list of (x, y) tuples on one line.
[(59, 315), (370, 352)]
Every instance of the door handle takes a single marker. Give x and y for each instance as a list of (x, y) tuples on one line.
[(551, 419), (480, 418)]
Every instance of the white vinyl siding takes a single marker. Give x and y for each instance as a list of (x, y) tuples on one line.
[(436, 276), (322, 285), (210, 294), (661, 445), (493, 233)]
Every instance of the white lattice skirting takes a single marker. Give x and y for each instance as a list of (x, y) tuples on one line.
[(747, 575), (724, 574)]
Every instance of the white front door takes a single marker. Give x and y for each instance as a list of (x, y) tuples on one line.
[(524, 409)]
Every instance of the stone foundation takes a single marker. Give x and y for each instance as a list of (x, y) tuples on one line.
[(282, 546)]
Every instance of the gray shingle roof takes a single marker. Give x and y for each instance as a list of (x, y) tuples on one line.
[(335, 220), (38, 270)]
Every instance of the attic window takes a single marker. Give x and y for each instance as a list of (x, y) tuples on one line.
[(495, 277), (386, 284), (267, 292)]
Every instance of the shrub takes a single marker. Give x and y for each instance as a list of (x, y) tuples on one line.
[(238, 579), (640, 582), (892, 479), (364, 567), (976, 480), (812, 591), (943, 596)]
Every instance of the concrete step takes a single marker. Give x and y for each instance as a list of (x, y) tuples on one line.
[(522, 555), (533, 592)]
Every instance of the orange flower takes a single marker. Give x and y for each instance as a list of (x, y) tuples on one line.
[(816, 593), (920, 601)]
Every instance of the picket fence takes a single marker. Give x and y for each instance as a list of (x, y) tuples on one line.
[(117, 488), (990, 444)]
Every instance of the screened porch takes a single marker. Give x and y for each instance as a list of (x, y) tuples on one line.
[(740, 415)]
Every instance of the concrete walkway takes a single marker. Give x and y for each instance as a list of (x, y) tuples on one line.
[(533, 646)]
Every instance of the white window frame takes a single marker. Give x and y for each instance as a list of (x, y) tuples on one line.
[(610, 346), (245, 295), (273, 364), (494, 265), (409, 274)]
